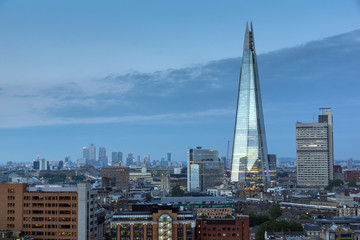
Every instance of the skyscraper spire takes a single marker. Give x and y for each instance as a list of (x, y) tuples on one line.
[(249, 165)]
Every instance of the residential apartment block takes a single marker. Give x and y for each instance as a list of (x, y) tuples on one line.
[(49, 212)]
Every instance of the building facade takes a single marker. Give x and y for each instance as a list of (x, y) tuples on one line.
[(152, 222), (92, 153), (103, 159), (314, 151), (205, 169), (49, 212), (250, 166), (116, 177), (229, 229)]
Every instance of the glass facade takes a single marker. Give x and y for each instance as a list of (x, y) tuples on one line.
[(205, 169), (250, 165), (165, 227)]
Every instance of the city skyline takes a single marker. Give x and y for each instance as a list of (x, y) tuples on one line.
[(64, 86)]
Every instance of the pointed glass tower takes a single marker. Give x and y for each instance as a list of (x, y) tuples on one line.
[(249, 165)]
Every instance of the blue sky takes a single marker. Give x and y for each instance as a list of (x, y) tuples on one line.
[(118, 74)]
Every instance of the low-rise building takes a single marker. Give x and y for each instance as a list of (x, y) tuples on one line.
[(338, 232), (153, 222), (209, 229)]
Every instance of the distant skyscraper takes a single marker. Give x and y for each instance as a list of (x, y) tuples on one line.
[(67, 159), (114, 157), (249, 165), (92, 153), (314, 151), (138, 160), (349, 163), (272, 169), (103, 159), (169, 157), (205, 169), (130, 159), (36, 164), (86, 154)]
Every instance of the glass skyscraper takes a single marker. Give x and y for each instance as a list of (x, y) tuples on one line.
[(250, 166)]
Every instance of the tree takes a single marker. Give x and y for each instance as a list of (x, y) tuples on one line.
[(304, 216), (334, 183), (257, 219), (177, 192), (282, 174), (352, 183), (78, 178), (275, 211), (277, 226)]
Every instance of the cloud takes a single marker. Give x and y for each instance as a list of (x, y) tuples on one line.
[(292, 81)]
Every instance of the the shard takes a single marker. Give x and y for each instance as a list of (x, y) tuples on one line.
[(250, 166)]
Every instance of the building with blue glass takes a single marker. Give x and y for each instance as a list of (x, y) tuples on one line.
[(250, 165)]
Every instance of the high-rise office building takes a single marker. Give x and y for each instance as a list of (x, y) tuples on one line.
[(314, 151), (249, 165), (103, 159), (86, 154), (116, 157), (36, 164), (272, 169), (49, 212), (130, 159), (92, 153), (169, 157), (205, 169), (349, 163)]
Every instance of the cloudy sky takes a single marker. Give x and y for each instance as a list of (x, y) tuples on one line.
[(161, 76)]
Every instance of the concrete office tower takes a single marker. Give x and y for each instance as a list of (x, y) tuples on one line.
[(103, 159), (314, 151), (249, 166), (205, 169), (92, 153), (43, 164), (86, 154), (49, 212), (349, 163)]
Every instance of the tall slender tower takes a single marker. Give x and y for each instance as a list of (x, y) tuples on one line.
[(249, 165)]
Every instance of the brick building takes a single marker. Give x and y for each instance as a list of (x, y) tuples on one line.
[(229, 229), (49, 212), (150, 222)]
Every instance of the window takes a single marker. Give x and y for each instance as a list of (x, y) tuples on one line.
[(165, 227)]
